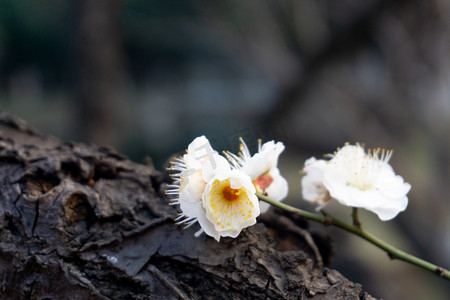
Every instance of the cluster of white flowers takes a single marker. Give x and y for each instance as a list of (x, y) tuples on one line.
[(357, 179), (220, 193)]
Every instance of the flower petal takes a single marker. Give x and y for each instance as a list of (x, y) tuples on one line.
[(230, 202), (366, 180), (313, 189), (277, 190), (217, 165), (264, 160)]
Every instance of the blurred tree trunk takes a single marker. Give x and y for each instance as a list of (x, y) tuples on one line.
[(99, 69), (83, 222)]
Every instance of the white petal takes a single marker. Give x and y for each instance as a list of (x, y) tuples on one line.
[(278, 189), (273, 151), (208, 227), (387, 213), (192, 209), (217, 165), (230, 217), (199, 146), (240, 179), (255, 166), (392, 185), (194, 188), (264, 160), (235, 233), (313, 188)]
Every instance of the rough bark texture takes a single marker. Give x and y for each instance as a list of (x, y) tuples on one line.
[(84, 222)]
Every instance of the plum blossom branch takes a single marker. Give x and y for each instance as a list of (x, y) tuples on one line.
[(393, 252), (221, 193)]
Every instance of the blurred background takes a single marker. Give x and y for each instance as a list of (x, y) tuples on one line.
[(146, 77)]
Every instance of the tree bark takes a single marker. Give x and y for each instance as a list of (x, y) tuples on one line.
[(84, 222)]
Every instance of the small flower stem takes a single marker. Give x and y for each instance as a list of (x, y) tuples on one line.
[(392, 252), (355, 218)]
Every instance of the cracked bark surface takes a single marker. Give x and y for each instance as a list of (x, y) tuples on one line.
[(83, 222)]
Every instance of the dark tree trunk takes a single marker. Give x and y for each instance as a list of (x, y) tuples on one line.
[(84, 222), (98, 67)]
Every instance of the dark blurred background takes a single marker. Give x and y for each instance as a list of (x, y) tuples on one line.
[(146, 77)]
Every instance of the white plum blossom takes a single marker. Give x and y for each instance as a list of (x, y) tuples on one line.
[(230, 203), (262, 169), (194, 169), (313, 189), (359, 179), (221, 200)]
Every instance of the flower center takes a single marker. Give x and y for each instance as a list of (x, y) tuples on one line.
[(361, 170), (263, 181), (230, 194), (361, 182), (365, 172), (222, 194)]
